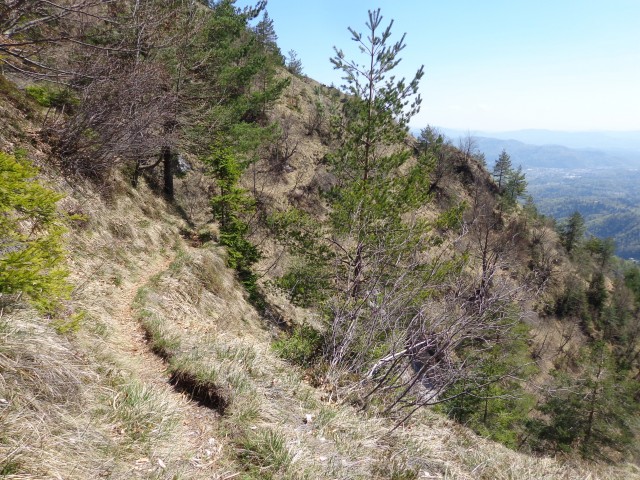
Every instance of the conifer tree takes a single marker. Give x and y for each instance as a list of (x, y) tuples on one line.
[(401, 313), (230, 82), (368, 203), (515, 185), (591, 411), (294, 64), (501, 170), (224, 73), (572, 231), (492, 401), (266, 34), (228, 207), (31, 230)]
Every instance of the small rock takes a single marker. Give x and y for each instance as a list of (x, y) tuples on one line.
[(308, 418)]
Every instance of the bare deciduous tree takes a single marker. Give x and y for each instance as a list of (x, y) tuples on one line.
[(106, 52), (439, 341), (285, 145), (125, 115), (30, 28)]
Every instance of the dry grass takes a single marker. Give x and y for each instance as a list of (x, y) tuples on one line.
[(97, 403), (277, 426), (94, 402), (47, 393)]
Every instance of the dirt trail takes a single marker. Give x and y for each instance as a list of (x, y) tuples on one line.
[(130, 327), (198, 422)]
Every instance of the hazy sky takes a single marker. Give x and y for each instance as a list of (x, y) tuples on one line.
[(491, 64)]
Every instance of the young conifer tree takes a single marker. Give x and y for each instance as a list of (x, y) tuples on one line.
[(403, 314), (32, 253), (502, 169), (373, 242), (572, 231)]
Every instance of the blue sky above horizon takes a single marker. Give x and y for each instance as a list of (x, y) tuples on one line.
[(493, 65)]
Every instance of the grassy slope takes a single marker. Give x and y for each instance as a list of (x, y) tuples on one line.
[(96, 402)]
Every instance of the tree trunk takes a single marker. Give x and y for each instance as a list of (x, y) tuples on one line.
[(136, 175), (168, 172)]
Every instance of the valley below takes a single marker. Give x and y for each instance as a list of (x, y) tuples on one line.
[(607, 198), (594, 173)]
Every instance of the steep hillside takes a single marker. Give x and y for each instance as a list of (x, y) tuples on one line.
[(598, 183), (159, 368), (268, 279)]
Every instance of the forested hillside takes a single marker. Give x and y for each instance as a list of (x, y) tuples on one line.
[(212, 266), (598, 183), (606, 198)]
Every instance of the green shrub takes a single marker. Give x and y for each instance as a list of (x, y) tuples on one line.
[(303, 346), (492, 401), (52, 98), (229, 208), (71, 324), (31, 248), (306, 284), (573, 301), (593, 411)]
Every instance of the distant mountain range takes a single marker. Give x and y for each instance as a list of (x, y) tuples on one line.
[(555, 156), (550, 149), (607, 141)]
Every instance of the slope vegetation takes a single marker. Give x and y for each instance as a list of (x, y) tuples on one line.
[(159, 368), (216, 268)]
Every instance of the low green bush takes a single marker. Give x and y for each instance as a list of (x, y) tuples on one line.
[(51, 97), (303, 346)]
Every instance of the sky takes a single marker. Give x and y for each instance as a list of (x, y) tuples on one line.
[(490, 65)]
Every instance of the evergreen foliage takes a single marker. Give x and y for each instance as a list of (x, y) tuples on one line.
[(631, 275), (602, 249), (232, 67), (294, 64), (308, 281), (303, 346), (416, 323), (431, 144), (572, 303), (228, 208), (370, 198), (493, 402), (52, 97), (597, 292), (267, 37), (501, 170), (31, 237), (572, 232), (590, 411), (511, 182), (516, 186), (231, 74)]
